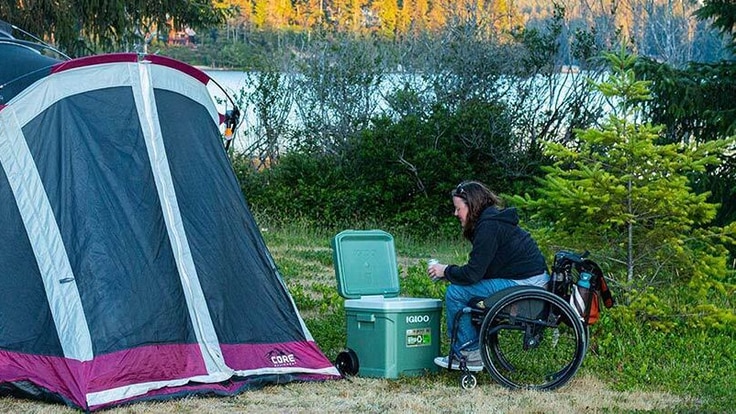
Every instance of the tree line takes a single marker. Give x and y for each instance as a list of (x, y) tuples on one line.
[(663, 30), (666, 31)]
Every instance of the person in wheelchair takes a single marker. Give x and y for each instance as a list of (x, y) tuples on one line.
[(502, 255)]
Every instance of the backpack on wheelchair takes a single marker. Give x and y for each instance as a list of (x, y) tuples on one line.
[(532, 337)]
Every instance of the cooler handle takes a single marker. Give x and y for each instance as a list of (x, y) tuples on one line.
[(365, 317)]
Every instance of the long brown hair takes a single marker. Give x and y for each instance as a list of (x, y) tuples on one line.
[(477, 197)]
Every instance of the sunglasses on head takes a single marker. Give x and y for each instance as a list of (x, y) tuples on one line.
[(459, 191)]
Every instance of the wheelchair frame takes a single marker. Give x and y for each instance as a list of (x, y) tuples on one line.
[(530, 337)]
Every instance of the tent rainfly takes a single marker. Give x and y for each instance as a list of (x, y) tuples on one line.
[(130, 265)]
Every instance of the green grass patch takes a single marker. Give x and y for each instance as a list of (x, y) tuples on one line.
[(686, 361)]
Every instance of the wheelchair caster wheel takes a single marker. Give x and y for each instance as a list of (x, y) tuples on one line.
[(347, 362), (468, 381)]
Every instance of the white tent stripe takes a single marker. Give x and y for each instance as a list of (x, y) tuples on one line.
[(143, 93), (121, 393), (129, 391), (187, 86), (45, 238), (34, 101)]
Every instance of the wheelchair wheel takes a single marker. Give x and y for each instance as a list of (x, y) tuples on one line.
[(468, 381), (532, 339)]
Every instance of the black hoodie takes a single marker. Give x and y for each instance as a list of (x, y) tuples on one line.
[(501, 250)]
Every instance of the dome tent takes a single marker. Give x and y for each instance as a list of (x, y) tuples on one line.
[(22, 63), (131, 266)]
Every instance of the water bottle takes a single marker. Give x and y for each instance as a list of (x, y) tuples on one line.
[(584, 280), (580, 295)]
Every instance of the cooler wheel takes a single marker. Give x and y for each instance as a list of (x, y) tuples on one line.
[(347, 362)]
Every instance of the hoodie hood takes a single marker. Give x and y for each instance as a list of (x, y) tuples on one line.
[(507, 215)]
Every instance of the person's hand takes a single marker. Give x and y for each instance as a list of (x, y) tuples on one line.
[(436, 271)]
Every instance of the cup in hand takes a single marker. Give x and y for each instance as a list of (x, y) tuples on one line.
[(430, 263)]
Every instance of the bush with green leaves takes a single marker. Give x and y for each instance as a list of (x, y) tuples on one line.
[(397, 172), (627, 197)]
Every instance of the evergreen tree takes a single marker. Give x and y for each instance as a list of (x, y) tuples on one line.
[(723, 13), (621, 193), (82, 27), (696, 104)]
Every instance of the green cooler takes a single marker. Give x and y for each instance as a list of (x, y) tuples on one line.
[(392, 336)]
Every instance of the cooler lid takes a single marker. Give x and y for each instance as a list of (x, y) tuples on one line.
[(379, 303), (365, 263)]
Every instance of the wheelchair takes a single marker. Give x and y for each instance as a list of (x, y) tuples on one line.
[(530, 337)]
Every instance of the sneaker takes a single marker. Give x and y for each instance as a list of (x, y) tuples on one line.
[(473, 361)]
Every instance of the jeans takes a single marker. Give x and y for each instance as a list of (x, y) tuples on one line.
[(458, 296)]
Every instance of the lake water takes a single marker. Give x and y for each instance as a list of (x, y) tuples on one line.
[(239, 84)]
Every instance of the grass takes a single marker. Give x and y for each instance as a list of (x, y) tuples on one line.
[(695, 368), (430, 394), (629, 367)]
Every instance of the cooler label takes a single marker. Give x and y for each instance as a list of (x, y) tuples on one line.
[(418, 337)]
